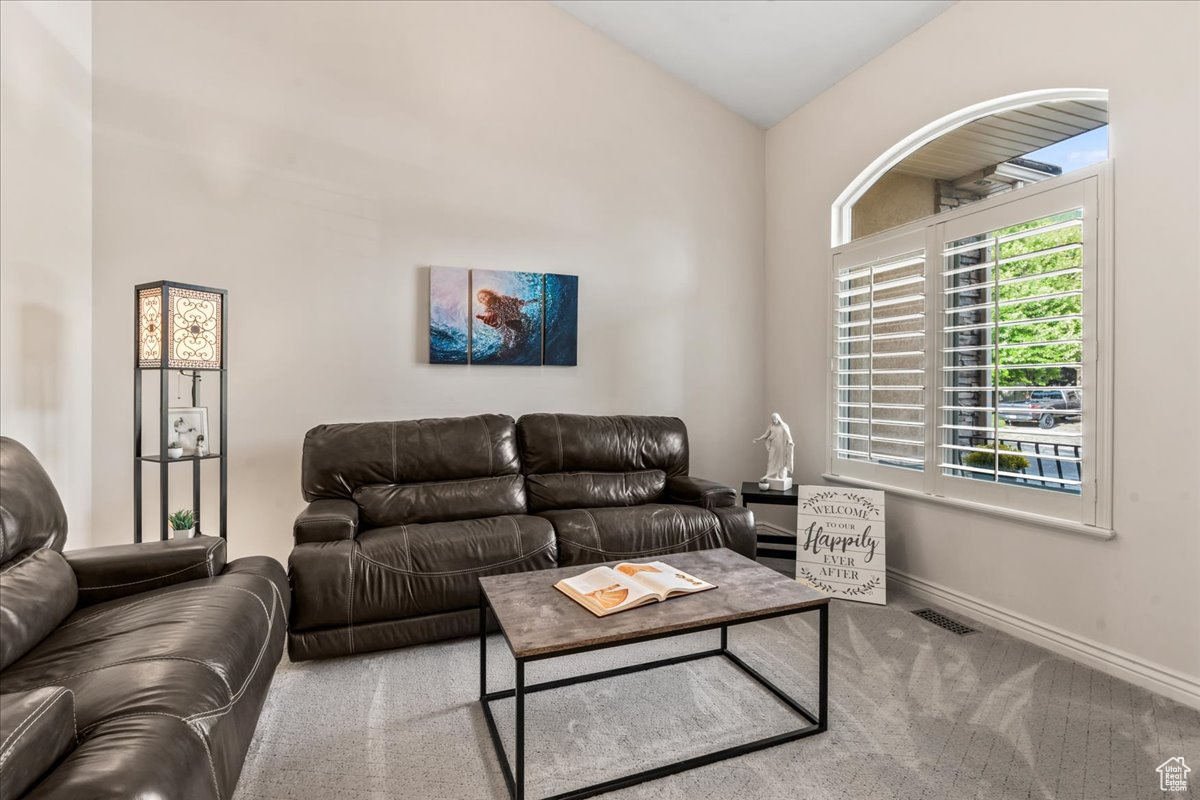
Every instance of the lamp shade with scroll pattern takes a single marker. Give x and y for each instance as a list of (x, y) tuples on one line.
[(179, 326)]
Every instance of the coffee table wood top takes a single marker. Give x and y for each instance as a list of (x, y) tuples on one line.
[(539, 620)]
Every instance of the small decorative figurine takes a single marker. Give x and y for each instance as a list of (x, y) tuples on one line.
[(780, 454)]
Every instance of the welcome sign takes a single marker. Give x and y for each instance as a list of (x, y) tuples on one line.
[(840, 543)]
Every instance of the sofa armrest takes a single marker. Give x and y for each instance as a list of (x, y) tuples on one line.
[(326, 520), (699, 492), (37, 728), (106, 573)]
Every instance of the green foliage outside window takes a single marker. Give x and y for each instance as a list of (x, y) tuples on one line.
[(1034, 310)]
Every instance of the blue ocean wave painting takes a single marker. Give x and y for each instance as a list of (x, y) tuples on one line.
[(506, 317), (449, 288), (484, 316), (561, 322)]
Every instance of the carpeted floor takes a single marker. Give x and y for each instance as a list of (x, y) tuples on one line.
[(915, 712)]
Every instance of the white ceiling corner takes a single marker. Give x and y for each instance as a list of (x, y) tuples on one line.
[(762, 59)]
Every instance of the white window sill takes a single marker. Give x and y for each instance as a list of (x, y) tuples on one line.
[(1039, 520)]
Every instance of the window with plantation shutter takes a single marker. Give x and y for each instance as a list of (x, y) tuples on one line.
[(1012, 354), (879, 358), (966, 356)]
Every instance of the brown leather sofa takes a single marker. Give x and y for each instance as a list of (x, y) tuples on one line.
[(404, 517), (128, 671)]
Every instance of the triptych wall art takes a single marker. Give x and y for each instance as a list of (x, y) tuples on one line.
[(484, 316)]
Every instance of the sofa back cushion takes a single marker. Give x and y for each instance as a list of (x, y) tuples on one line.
[(441, 501), (31, 514), (37, 592), (577, 461), (594, 489), (339, 459)]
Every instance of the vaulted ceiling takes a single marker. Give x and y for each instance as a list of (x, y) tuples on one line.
[(762, 59)]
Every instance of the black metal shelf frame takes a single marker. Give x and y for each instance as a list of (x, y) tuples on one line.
[(163, 462)]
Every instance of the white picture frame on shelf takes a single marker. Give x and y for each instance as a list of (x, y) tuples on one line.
[(185, 424)]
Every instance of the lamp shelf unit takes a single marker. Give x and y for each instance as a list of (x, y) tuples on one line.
[(178, 327)]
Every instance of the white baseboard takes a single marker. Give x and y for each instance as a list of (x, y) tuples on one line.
[(1138, 671)]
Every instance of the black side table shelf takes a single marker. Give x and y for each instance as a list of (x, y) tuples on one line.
[(164, 462), (752, 494)]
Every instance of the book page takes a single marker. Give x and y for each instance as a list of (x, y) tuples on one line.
[(663, 579), (607, 589)]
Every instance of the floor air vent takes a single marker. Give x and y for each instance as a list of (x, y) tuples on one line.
[(942, 621)]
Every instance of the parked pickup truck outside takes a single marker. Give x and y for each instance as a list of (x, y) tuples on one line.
[(1040, 405)]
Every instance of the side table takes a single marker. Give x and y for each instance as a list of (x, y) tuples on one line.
[(752, 494)]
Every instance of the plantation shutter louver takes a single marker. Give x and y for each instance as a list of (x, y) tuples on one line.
[(879, 356)]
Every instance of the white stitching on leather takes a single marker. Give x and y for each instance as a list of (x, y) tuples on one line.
[(155, 599), (452, 481), (27, 724), (212, 770), (25, 558), (399, 571), (407, 548), (626, 554), (487, 442), (561, 455), (204, 664), (197, 733), (595, 529), (517, 531), (223, 710), (207, 562), (394, 453)]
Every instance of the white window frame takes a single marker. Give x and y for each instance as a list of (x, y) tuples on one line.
[(1090, 512)]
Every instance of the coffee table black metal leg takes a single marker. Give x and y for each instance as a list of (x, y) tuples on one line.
[(823, 670), (482, 646), (519, 778)]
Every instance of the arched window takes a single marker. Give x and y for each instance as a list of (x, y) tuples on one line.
[(972, 294), (973, 154)]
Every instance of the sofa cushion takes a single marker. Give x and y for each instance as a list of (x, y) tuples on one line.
[(592, 535), (574, 443), (440, 501), (409, 570), (186, 650), (31, 513), (594, 489), (37, 592), (37, 728), (338, 459)]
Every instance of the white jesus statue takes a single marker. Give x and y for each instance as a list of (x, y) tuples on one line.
[(780, 454)]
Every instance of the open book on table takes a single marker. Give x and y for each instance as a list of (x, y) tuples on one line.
[(607, 590)]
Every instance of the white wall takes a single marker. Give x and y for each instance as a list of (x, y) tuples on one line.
[(1139, 593), (313, 157), (46, 244)]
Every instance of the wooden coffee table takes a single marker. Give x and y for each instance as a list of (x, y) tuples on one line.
[(539, 622)]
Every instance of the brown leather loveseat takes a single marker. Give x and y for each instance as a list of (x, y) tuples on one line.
[(404, 517), (128, 671)]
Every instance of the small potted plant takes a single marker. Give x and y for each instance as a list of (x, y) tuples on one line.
[(174, 450), (182, 522)]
